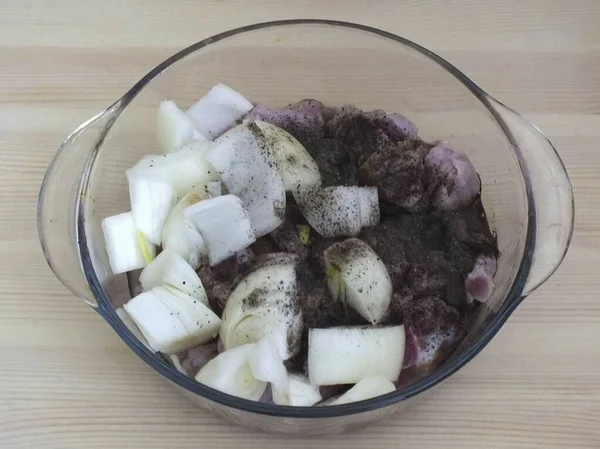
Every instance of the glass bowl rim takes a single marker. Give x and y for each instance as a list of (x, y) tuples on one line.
[(513, 298)]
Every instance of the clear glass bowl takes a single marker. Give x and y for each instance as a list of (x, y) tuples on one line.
[(526, 190)]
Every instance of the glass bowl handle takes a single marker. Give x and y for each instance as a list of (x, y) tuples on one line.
[(552, 193), (59, 200)]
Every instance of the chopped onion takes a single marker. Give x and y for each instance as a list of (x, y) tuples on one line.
[(339, 210), (264, 304), (218, 111), (174, 128), (295, 165), (300, 392), (124, 244), (367, 388), (230, 372), (151, 201), (170, 269), (243, 161), (267, 365), (172, 322), (183, 170), (133, 328), (224, 225), (180, 235), (346, 355), (214, 188), (358, 277)]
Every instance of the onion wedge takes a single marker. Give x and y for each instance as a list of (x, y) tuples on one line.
[(300, 392), (218, 111), (171, 270), (172, 322), (367, 388), (179, 234), (264, 305), (295, 165), (230, 372), (243, 162), (183, 170), (267, 365), (174, 128), (346, 355), (339, 210), (126, 247), (128, 321), (224, 225), (151, 201), (357, 276)]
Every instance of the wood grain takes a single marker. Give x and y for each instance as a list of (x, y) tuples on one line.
[(66, 381)]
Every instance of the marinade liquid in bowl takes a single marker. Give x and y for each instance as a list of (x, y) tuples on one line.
[(525, 193)]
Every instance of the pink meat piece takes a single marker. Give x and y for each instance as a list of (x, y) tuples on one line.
[(396, 126), (303, 120), (411, 348), (309, 107), (454, 183), (431, 326), (195, 358), (479, 283)]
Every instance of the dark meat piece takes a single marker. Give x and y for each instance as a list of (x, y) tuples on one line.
[(432, 329), (479, 283), (412, 248), (471, 228), (319, 244), (220, 280), (402, 238), (264, 245), (396, 126), (303, 120), (453, 181), (318, 309), (337, 166), (398, 170), (287, 239), (358, 133)]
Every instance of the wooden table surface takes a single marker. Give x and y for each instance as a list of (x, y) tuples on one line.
[(67, 381)]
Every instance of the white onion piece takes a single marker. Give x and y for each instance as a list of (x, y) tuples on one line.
[(133, 328), (174, 128), (224, 224), (346, 355), (172, 322), (358, 277), (263, 306), (367, 388), (151, 201), (180, 235), (295, 165), (300, 392), (218, 111), (241, 158), (267, 365), (126, 247), (230, 372), (368, 203), (170, 269), (339, 210), (214, 188), (183, 170)]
